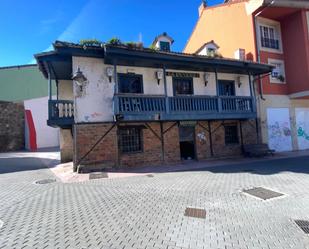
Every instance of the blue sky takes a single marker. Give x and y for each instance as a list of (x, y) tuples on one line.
[(29, 27)]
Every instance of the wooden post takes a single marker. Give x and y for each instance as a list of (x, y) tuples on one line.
[(49, 84), (165, 90), (241, 137), (210, 139), (57, 88), (116, 90), (217, 90), (252, 95), (162, 142)]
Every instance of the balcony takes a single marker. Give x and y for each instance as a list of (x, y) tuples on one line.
[(60, 113), (137, 107)]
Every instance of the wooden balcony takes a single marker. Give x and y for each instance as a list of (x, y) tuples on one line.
[(138, 107), (60, 113)]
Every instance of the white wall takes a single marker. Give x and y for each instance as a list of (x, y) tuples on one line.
[(302, 127), (279, 129), (95, 105), (45, 136)]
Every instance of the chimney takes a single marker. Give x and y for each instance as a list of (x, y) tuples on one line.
[(202, 7)]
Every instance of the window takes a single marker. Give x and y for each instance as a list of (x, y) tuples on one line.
[(211, 51), (130, 139), (130, 83), (231, 134), (183, 86), (226, 88), (269, 37), (164, 46), (278, 74)]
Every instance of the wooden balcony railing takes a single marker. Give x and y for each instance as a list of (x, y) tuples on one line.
[(60, 112), (189, 107)]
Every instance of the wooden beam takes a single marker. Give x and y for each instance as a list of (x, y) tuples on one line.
[(165, 90), (162, 142), (210, 140), (241, 137)]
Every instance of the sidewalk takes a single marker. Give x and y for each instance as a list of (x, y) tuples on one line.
[(65, 171)]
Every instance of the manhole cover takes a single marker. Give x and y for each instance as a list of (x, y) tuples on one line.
[(195, 212), (97, 175), (150, 175), (262, 193), (45, 181), (304, 225)]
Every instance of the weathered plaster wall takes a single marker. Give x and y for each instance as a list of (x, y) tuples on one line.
[(95, 104)]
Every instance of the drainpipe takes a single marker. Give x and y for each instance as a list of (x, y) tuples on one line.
[(256, 42)]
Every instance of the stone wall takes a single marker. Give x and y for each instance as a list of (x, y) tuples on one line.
[(66, 145), (106, 153), (12, 126)]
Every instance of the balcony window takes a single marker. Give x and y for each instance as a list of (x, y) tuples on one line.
[(130, 83), (269, 37), (226, 88), (278, 73), (183, 86), (231, 134), (130, 139)]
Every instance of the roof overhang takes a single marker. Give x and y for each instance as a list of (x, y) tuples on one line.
[(179, 61), (58, 63), (287, 3)]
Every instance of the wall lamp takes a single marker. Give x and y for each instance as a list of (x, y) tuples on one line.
[(238, 80), (79, 78), (159, 76), (206, 78), (109, 73)]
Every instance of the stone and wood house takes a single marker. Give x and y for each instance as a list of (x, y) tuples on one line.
[(125, 105)]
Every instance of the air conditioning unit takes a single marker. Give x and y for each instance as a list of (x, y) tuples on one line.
[(240, 54)]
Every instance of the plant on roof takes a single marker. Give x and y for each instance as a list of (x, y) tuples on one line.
[(114, 41), (153, 47), (134, 44), (90, 42)]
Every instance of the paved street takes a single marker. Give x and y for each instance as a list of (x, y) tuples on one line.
[(148, 212)]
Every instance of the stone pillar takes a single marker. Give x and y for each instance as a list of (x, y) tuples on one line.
[(66, 145)]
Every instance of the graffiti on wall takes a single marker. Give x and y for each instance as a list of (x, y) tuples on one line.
[(302, 124), (92, 116), (279, 129), (201, 137), (302, 133)]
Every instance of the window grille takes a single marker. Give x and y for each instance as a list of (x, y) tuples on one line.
[(130, 139), (231, 134)]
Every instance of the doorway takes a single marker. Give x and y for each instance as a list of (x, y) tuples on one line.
[(187, 142)]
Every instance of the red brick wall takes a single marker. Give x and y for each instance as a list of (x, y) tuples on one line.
[(107, 150), (202, 145), (87, 135), (171, 143)]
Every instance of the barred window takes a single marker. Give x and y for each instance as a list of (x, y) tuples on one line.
[(130, 139), (231, 134)]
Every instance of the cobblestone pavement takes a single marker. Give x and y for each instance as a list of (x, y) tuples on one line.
[(148, 212)]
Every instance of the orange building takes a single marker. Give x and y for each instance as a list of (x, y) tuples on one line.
[(268, 31)]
